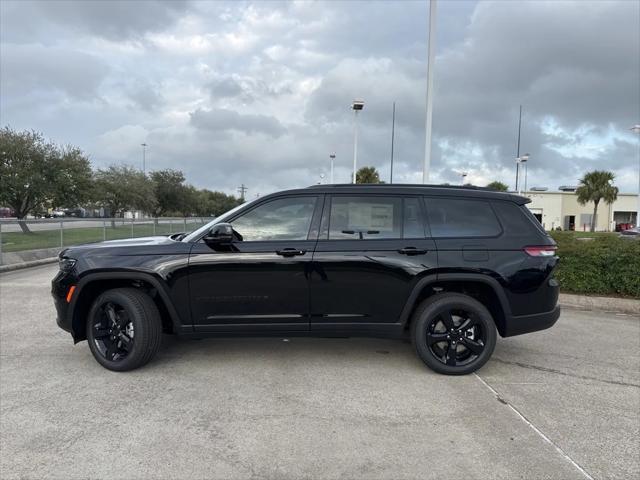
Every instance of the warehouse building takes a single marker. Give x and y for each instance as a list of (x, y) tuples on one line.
[(561, 209)]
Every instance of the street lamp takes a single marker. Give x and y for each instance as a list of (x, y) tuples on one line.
[(357, 105), (332, 157), (636, 129), (519, 160), (144, 157), (463, 175)]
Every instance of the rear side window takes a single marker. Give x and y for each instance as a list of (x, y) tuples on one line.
[(358, 218), (517, 220), (452, 217)]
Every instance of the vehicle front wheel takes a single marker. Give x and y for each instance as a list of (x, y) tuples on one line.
[(453, 334), (124, 330)]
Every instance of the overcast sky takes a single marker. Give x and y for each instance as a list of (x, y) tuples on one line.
[(260, 93)]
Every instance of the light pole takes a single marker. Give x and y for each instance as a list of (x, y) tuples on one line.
[(357, 105), (636, 129), (144, 157), (332, 157), (429, 115), (393, 134), (463, 175), (519, 160)]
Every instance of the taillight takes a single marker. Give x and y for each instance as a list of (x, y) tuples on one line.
[(541, 251)]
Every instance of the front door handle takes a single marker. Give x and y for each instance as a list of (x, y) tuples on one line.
[(412, 251), (290, 252)]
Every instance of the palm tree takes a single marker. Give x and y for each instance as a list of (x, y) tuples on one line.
[(368, 175), (596, 186)]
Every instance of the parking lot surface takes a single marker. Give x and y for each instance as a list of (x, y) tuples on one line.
[(558, 404)]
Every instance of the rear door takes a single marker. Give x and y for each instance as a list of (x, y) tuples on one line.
[(370, 253)]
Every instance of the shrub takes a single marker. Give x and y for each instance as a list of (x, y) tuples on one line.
[(603, 265)]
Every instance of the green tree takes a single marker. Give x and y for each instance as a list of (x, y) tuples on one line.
[(36, 174), (368, 175), (498, 186), (212, 204), (170, 192), (594, 187), (121, 188)]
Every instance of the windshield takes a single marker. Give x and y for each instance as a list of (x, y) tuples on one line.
[(199, 232)]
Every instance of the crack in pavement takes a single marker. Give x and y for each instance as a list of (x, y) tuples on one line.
[(534, 428), (560, 372)]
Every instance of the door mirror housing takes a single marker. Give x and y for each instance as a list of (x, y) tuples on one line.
[(221, 234)]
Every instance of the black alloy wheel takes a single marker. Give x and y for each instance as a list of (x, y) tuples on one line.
[(453, 333), (124, 329)]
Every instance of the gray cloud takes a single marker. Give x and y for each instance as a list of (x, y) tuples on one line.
[(259, 92), (221, 119)]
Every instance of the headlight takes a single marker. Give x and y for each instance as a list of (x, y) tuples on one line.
[(66, 264)]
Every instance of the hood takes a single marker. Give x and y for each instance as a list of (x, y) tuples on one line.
[(126, 246)]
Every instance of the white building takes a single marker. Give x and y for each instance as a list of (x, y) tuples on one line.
[(561, 209)]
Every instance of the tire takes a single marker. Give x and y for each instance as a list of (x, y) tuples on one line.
[(435, 333), (130, 341)]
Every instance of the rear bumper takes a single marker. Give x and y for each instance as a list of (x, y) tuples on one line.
[(530, 323)]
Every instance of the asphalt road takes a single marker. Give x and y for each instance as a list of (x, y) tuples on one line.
[(560, 404)]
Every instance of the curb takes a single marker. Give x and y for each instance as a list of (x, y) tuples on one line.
[(32, 263), (608, 304)]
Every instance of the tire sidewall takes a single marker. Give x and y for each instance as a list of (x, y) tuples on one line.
[(452, 301)]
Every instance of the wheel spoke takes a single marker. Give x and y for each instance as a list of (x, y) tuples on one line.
[(111, 313), (101, 333), (447, 319), (433, 337), (475, 347), (451, 355), (126, 341), (111, 350), (468, 323)]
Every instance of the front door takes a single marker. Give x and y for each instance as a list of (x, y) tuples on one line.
[(370, 254), (261, 282)]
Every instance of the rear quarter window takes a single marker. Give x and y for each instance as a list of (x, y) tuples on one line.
[(455, 217), (517, 220)]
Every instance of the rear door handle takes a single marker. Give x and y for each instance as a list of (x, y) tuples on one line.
[(412, 251), (290, 252)]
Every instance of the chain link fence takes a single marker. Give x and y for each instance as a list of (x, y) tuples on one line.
[(41, 234)]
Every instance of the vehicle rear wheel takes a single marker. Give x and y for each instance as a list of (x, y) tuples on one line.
[(124, 330), (453, 334)]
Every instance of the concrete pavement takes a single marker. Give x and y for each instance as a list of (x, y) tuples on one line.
[(564, 403)]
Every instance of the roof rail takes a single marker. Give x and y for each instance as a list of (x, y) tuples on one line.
[(412, 185)]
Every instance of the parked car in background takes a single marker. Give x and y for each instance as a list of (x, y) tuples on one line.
[(447, 267), (631, 233), (6, 212)]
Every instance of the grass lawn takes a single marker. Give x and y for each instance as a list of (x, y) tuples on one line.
[(18, 241)]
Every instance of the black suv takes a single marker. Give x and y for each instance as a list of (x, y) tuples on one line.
[(444, 266)]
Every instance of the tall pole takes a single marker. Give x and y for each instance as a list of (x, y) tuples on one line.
[(144, 157), (355, 144), (428, 123), (518, 147), (393, 131), (332, 157)]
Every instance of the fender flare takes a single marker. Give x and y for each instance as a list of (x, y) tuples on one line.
[(454, 277), (178, 326)]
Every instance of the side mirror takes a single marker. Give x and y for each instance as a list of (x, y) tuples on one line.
[(220, 235)]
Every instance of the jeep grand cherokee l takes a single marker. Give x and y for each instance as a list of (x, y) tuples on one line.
[(448, 267)]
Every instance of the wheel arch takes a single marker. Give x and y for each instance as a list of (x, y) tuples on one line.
[(92, 285), (483, 288)]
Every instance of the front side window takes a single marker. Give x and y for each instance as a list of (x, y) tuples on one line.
[(358, 218), (281, 219), (449, 217)]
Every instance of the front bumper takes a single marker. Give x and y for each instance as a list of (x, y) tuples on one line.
[(59, 289), (531, 323)]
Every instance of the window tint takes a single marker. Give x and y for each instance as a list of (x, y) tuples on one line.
[(517, 220), (282, 219), (354, 218), (413, 222), (449, 217)]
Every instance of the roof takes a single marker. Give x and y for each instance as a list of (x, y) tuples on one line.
[(416, 189)]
